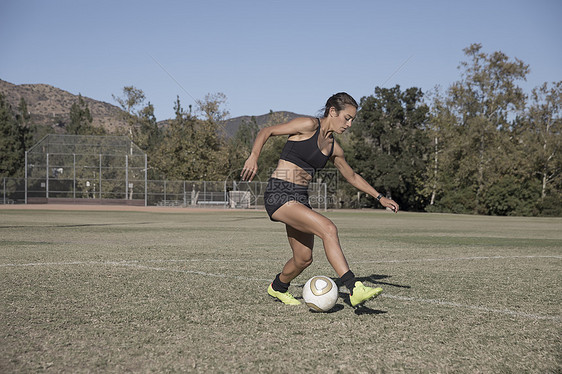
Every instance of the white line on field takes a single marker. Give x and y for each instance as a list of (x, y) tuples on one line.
[(451, 259), (124, 262), (136, 264), (53, 263), (203, 273), (474, 307), (131, 262)]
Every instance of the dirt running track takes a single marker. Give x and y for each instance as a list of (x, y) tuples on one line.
[(114, 208)]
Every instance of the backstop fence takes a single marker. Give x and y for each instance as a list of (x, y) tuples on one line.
[(84, 167), (225, 194), (75, 169)]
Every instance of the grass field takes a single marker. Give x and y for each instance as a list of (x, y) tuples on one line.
[(184, 291)]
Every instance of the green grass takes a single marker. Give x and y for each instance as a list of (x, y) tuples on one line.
[(95, 291)]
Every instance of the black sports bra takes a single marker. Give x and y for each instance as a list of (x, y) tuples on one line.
[(306, 154)]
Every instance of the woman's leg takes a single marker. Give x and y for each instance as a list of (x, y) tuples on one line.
[(307, 221), (301, 244)]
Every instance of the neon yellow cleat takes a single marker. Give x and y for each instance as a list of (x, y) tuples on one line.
[(284, 297), (363, 293)]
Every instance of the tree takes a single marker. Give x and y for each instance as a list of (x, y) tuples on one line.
[(439, 118), (24, 116), (240, 145), (27, 129), (541, 142), (211, 107), (271, 151), (192, 149), (443, 184), (483, 102), (13, 138), (131, 100), (81, 120), (474, 125), (389, 144), (131, 103), (246, 134), (143, 127), (146, 133)]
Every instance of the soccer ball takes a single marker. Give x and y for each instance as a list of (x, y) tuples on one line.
[(320, 293)]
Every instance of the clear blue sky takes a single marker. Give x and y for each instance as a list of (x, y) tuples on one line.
[(264, 54)]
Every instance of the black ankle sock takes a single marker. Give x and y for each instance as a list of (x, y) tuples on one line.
[(349, 280), (279, 286)]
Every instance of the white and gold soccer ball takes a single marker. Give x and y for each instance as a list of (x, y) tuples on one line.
[(320, 293)]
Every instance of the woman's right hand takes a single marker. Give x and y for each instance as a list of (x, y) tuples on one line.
[(250, 169)]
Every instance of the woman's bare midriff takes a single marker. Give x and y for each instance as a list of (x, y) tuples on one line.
[(290, 172)]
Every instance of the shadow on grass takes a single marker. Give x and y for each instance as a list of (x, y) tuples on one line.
[(362, 309), (366, 310), (335, 309), (376, 279)]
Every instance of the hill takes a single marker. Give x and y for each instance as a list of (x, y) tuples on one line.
[(50, 106), (231, 125)]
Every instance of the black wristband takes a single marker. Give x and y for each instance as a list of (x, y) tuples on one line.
[(380, 197)]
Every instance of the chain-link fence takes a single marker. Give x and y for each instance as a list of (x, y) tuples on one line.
[(85, 167), (223, 194), (113, 170), (227, 194)]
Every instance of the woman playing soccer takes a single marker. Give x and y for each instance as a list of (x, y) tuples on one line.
[(310, 145)]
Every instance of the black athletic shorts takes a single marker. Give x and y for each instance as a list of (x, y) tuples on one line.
[(278, 192)]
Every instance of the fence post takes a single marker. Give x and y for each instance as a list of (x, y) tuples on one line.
[(47, 178), (145, 180), (25, 197), (74, 175), (100, 176), (4, 188), (184, 195), (126, 176)]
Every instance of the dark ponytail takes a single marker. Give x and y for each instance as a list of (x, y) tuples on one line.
[(339, 101)]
